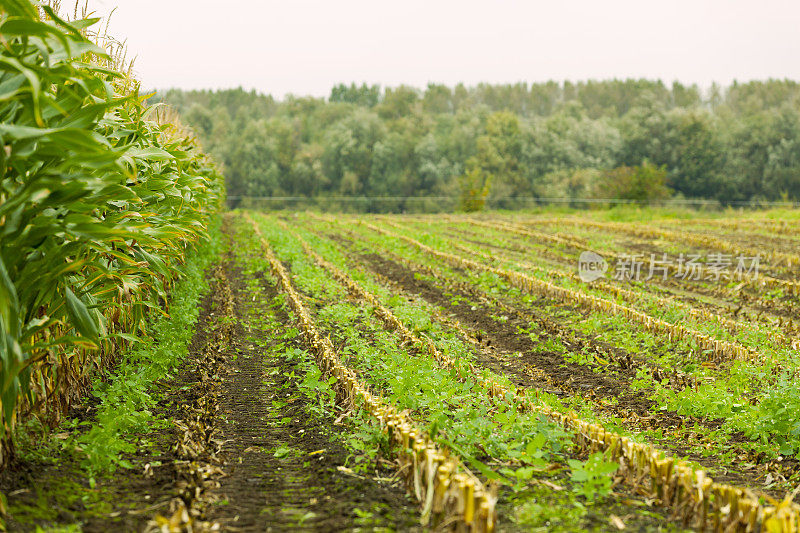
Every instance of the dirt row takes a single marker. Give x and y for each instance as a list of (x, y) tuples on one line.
[(284, 463), (740, 305), (504, 350), (244, 449)]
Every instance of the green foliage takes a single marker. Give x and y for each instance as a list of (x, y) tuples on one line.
[(474, 186), (754, 399), (318, 390), (592, 477), (127, 399), (542, 140), (455, 408), (643, 184), (365, 95), (98, 204), (497, 160)]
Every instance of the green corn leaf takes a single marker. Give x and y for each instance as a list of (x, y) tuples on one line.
[(80, 317), (24, 27), (99, 203), (151, 154), (20, 8), (9, 303)]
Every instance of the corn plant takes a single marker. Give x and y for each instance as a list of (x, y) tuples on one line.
[(98, 205)]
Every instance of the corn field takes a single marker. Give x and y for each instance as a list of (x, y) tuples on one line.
[(100, 200), (167, 366), (454, 255)]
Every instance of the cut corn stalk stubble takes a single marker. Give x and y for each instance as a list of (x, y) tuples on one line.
[(448, 491), (691, 493)]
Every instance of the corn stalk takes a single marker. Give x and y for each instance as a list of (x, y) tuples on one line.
[(98, 206)]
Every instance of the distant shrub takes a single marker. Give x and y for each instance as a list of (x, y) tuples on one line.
[(474, 190), (645, 183)]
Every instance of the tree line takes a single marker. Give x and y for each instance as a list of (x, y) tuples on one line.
[(631, 139)]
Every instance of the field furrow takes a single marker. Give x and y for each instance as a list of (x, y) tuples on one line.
[(383, 268), (447, 490)]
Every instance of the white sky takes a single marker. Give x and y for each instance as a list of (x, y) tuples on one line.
[(306, 46)]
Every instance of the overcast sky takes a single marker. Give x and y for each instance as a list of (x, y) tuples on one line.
[(304, 47)]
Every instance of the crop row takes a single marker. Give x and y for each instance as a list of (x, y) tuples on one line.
[(675, 377), (773, 308), (635, 344), (771, 313), (100, 200), (676, 483), (773, 226), (647, 231), (446, 488), (774, 258), (789, 287), (722, 350), (701, 315), (754, 400)]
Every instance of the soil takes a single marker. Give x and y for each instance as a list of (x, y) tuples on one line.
[(305, 488), (505, 336), (243, 450), (548, 371)]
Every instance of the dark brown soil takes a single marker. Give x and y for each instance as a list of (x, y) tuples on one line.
[(551, 373), (505, 337), (262, 411), (230, 409)]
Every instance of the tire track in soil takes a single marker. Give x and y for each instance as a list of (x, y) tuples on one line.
[(569, 378), (262, 409)]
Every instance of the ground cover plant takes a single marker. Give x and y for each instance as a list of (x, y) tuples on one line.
[(684, 361)]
